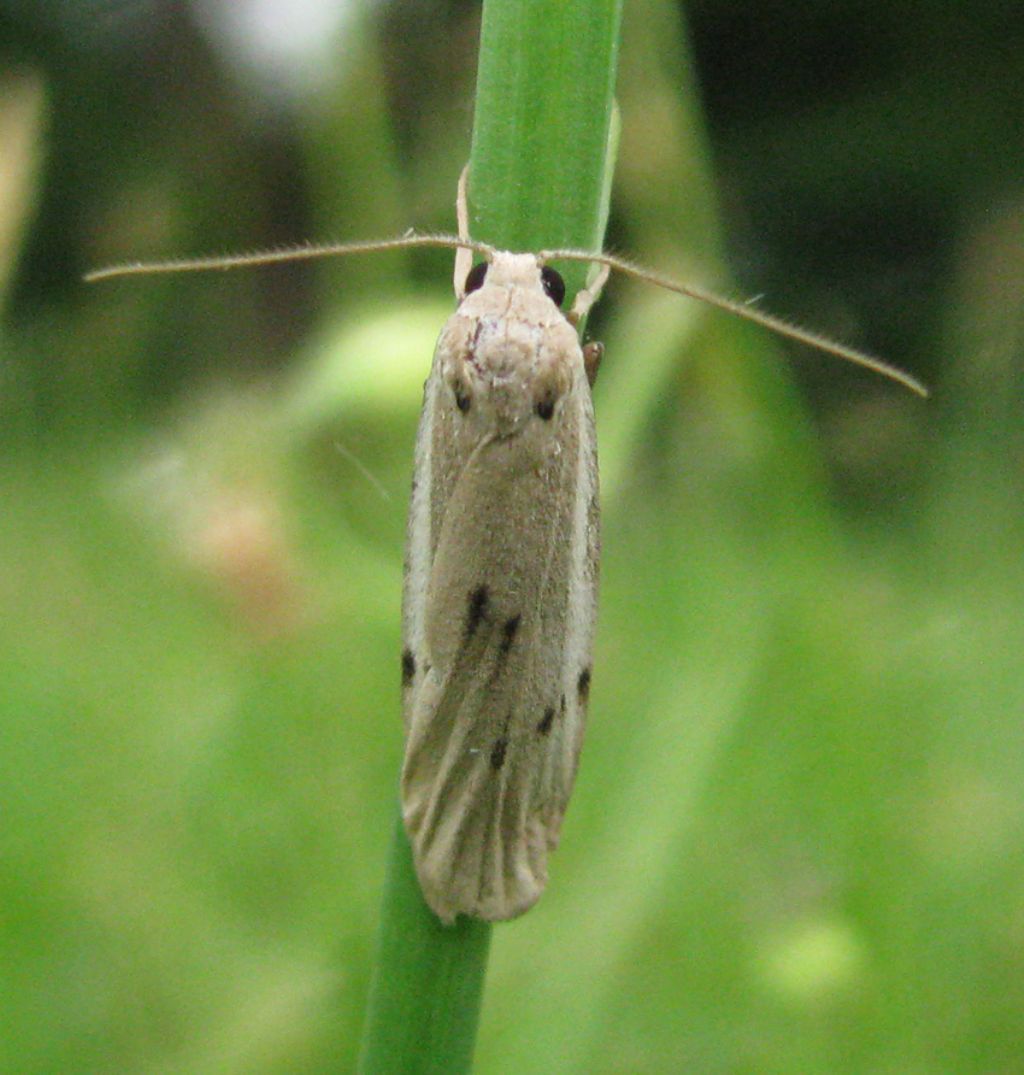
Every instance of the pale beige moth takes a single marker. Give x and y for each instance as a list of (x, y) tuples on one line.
[(501, 569), (500, 593)]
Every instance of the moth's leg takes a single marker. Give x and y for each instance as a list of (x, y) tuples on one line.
[(588, 296), (463, 255), (592, 353)]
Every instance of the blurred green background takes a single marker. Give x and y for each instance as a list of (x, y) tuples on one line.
[(795, 844)]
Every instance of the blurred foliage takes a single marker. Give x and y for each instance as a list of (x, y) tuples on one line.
[(796, 840)]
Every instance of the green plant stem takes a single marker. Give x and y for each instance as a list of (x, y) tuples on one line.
[(429, 979), (540, 168), (539, 177)]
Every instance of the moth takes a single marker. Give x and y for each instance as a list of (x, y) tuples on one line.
[(501, 569), (500, 593)]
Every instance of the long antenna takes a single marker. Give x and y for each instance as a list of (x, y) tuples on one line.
[(305, 252), (453, 242), (774, 324)]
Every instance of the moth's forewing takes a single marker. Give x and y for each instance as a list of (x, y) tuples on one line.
[(499, 602)]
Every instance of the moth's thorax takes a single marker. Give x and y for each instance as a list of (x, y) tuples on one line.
[(508, 349)]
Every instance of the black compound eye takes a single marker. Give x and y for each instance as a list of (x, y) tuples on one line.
[(462, 400), (475, 277), (554, 285)]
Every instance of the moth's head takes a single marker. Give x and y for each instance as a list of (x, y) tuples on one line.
[(521, 271), (509, 355)]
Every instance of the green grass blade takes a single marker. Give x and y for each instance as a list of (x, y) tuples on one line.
[(542, 122), (539, 178), (426, 996)]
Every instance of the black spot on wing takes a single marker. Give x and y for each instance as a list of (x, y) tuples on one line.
[(508, 634), (583, 685), (544, 724), (498, 752), (408, 667), (477, 609)]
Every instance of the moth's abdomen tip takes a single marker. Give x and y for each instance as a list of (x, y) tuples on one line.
[(448, 903), (445, 914), (504, 908), (452, 886)]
